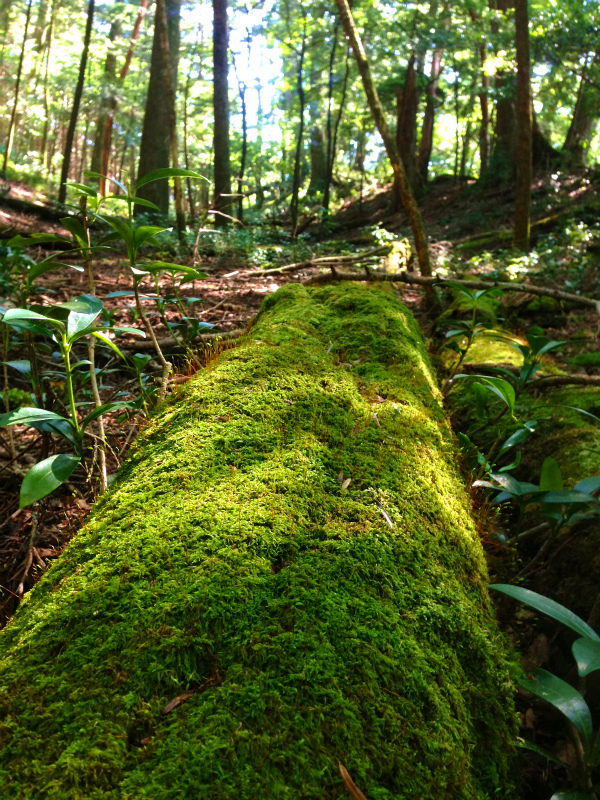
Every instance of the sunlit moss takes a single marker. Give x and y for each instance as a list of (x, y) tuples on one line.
[(229, 560)]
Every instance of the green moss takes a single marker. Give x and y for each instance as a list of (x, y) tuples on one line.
[(585, 360), (229, 561)]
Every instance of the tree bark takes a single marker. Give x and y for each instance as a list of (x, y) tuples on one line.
[(240, 183), (585, 114), (107, 104), (332, 152), (46, 129), (155, 147), (299, 142), (64, 175), (426, 143), (407, 105), (524, 169), (400, 177), (222, 162), (13, 116), (105, 126), (167, 59), (501, 165)]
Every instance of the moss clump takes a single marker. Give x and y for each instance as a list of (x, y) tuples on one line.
[(228, 562)]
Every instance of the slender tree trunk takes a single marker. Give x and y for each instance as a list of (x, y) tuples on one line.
[(407, 104), (108, 122), (406, 194), (64, 175), (298, 156), (260, 194), (585, 114), (167, 60), (107, 101), (156, 146), (523, 200), (222, 163), (426, 144), (46, 130), (327, 188), (484, 128), (240, 185), (13, 117), (186, 151), (336, 127)]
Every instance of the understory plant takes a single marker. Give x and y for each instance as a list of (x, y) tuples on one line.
[(65, 325), (564, 697)]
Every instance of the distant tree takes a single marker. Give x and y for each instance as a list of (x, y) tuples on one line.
[(155, 147), (524, 166), (222, 164), (64, 175)]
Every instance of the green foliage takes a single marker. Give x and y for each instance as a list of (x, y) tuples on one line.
[(561, 694)]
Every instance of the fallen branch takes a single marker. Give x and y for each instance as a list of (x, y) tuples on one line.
[(421, 280), (167, 344), (323, 260)]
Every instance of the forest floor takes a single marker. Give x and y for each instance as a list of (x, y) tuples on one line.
[(463, 222)]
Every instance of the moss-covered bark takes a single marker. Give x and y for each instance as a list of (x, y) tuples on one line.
[(230, 562)]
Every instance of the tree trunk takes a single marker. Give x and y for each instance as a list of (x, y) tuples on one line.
[(112, 108), (523, 199), (542, 152), (407, 106), (257, 170), (107, 104), (583, 121), (64, 175), (332, 153), (13, 117), (155, 147), (46, 129), (426, 143), (167, 59), (400, 177), (318, 160), (242, 612), (240, 184), (221, 146), (299, 142), (502, 164)]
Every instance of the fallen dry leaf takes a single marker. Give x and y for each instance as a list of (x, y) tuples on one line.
[(350, 785)]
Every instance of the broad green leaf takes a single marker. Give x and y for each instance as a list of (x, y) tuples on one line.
[(81, 187), (565, 698), (107, 341), (588, 485), (571, 796), (567, 497), (508, 483), (582, 411), (27, 416), (157, 174), (76, 229), (23, 366), (145, 232), (498, 386), (37, 238), (587, 655), (125, 232), (136, 201), (45, 477), (527, 745), (105, 408), (548, 347), (25, 314), (81, 318), (112, 180), (47, 266), (140, 360), (549, 607), (516, 438), (550, 478)]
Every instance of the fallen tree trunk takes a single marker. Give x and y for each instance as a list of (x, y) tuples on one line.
[(285, 576), (336, 276)]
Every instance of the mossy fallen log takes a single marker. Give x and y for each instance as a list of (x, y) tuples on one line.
[(284, 577)]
